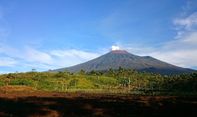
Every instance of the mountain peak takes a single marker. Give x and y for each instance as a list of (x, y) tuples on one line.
[(119, 52)]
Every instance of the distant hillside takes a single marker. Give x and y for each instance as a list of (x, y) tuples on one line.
[(121, 58)]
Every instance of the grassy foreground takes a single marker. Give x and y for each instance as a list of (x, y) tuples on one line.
[(111, 81)]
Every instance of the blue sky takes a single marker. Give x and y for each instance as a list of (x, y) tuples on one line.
[(49, 34)]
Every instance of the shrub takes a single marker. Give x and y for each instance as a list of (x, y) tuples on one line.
[(73, 83), (20, 81), (2, 83), (46, 85)]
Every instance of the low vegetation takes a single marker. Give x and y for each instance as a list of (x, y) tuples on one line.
[(111, 81)]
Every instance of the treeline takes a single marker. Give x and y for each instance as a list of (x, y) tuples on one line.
[(151, 82), (120, 80)]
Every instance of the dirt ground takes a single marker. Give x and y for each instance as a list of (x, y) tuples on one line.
[(20, 103)]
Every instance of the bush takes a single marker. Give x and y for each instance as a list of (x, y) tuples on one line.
[(107, 81), (19, 81), (2, 83), (46, 85), (72, 83)]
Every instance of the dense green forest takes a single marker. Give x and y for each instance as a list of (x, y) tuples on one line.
[(111, 81)]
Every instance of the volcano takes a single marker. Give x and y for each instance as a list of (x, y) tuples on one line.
[(124, 59)]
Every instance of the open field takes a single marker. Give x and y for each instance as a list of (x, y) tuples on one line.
[(30, 103)]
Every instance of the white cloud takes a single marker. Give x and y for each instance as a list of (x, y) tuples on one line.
[(115, 48), (30, 57), (175, 52), (187, 23), (182, 50), (73, 53), (183, 58), (190, 38), (7, 61), (70, 57), (34, 55)]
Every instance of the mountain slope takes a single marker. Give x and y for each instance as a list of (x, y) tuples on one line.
[(121, 58)]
